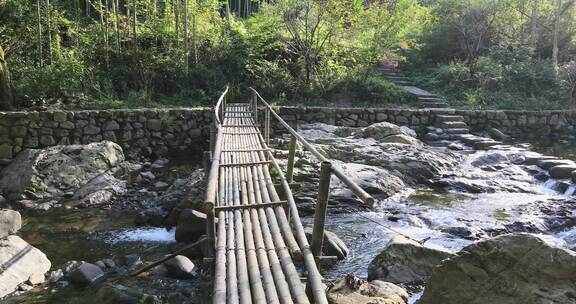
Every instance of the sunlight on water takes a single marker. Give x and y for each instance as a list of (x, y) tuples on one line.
[(570, 191), (146, 234), (415, 297)]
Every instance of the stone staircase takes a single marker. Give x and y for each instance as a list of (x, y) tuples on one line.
[(426, 100)]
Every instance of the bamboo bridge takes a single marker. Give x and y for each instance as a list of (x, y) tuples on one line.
[(256, 240)]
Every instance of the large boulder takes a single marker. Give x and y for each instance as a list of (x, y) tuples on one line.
[(353, 290), (49, 172), (332, 245), (405, 261), (191, 225), (19, 261), (508, 269), (562, 171), (10, 222)]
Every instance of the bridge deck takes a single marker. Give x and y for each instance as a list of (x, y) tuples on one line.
[(255, 245)]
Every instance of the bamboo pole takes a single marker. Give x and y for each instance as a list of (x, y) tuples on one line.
[(320, 210), (291, 154)]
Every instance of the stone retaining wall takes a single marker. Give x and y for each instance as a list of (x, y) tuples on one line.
[(525, 124), (139, 132), (160, 131)]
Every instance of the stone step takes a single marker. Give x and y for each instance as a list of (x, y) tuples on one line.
[(449, 118), (481, 145), (457, 131), (433, 105), (430, 99), (452, 125)]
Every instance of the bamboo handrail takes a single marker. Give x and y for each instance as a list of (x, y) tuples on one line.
[(362, 195)]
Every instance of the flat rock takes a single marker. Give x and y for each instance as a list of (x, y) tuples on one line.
[(10, 222), (405, 261), (19, 261), (508, 269), (562, 171)]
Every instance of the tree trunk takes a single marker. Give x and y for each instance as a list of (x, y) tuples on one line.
[(134, 20), (39, 15), (534, 23), (176, 4), (556, 34), (6, 96), (106, 31), (186, 37), (116, 8), (194, 36), (49, 26)]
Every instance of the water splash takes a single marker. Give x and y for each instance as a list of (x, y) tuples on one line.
[(570, 191), (144, 234)]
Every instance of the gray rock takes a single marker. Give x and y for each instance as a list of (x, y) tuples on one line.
[(180, 267), (392, 288), (382, 130), (405, 261), (188, 190), (10, 222), (85, 274), (508, 269), (497, 134), (119, 294), (562, 171), (353, 290), (23, 260), (546, 164), (161, 185), (63, 168), (191, 225), (332, 245), (99, 190), (132, 260), (147, 175), (56, 276)]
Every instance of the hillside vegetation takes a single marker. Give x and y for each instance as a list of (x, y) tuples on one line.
[(142, 53)]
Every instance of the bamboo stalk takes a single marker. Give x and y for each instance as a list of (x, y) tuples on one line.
[(291, 154), (320, 210)]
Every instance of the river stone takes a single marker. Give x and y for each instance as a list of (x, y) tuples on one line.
[(353, 290), (36, 278), (19, 261), (119, 294), (191, 225), (562, 171), (85, 274), (332, 245), (10, 222), (405, 261), (508, 269), (180, 267), (187, 190), (546, 164), (401, 139), (58, 168)]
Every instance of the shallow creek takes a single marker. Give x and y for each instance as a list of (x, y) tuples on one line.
[(423, 213)]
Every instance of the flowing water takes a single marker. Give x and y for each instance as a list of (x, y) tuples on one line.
[(421, 213)]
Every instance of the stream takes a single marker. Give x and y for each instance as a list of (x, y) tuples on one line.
[(448, 217)]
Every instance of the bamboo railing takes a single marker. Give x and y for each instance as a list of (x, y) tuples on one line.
[(255, 242)]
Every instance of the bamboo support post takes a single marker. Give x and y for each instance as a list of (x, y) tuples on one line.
[(291, 155), (210, 230), (321, 208)]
